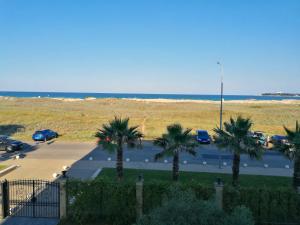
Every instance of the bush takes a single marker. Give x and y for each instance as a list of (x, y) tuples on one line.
[(100, 200), (240, 216), (154, 192), (183, 208), (267, 205), (114, 203)]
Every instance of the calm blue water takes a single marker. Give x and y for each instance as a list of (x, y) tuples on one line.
[(140, 96)]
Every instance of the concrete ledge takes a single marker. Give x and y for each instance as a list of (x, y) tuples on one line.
[(96, 173), (8, 170)]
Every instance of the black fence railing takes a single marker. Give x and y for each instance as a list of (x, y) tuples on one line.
[(31, 198)]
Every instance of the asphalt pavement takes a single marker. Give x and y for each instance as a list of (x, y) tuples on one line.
[(42, 160), (209, 154)]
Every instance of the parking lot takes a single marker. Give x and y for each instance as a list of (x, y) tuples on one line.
[(42, 160)]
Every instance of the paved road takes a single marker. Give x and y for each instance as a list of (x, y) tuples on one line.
[(205, 153), (41, 161), (44, 159), (207, 160), (28, 221)]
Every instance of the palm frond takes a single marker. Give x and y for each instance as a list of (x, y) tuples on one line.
[(290, 133), (291, 149), (235, 137), (186, 132), (161, 142), (191, 150), (165, 152), (116, 132), (176, 139), (287, 150), (222, 138)]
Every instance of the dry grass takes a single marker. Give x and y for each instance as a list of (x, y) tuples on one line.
[(80, 120)]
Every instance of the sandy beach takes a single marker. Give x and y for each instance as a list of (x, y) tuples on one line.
[(78, 119), (250, 101), (162, 100)]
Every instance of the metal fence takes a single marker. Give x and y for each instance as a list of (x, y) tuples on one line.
[(31, 198)]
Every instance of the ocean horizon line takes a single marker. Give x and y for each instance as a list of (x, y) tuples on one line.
[(84, 95), (129, 93)]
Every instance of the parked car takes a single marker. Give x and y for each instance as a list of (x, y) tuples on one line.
[(10, 145), (279, 139), (44, 135), (203, 137), (259, 136)]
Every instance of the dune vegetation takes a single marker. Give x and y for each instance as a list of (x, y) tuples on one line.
[(79, 120)]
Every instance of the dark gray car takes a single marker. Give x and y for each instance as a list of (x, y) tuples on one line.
[(10, 145)]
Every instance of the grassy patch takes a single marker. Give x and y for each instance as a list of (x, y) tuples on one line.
[(78, 121), (206, 179), (2, 167)]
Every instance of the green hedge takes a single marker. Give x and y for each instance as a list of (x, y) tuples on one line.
[(154, 192), (100, 200), (269, 206), (114, 203)]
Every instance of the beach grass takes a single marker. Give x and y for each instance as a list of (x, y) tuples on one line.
[(206, 179), (2, 167), (79, 120)]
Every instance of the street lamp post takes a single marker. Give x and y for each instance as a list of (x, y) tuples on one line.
[(221, 107), (221, 100)]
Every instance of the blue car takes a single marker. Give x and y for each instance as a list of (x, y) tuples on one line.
[(203, 137), (44, 135), (279, 139)]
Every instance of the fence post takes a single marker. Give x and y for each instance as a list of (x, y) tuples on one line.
[(62, 198), (1, 202), (139, 197), (4, 199), (219, 193)]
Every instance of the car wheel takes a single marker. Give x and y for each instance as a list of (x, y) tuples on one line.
[(9, 149)]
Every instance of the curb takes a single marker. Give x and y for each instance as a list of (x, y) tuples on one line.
[(96, 173), (8, 170)]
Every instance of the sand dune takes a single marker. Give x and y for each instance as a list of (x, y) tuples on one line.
[(250, 101)]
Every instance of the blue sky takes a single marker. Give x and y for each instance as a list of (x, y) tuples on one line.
[(136, 46)]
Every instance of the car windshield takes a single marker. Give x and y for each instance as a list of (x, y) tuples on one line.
[(281, 137), (202, 134)]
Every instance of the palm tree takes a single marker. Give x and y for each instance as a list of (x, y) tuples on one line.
[(114, 135), (236, 138), (291, 149), (173, 142)]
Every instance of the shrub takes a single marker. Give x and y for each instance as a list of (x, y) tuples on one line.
[(240, 216), (101, 200), (154, 192), (280, 205), (183, 208), (115, 202)]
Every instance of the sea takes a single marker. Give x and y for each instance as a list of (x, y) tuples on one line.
[(141, 96)]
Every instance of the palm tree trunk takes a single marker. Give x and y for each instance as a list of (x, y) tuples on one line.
[(119, 165), (296, 177), (235, 169), (175, 166)]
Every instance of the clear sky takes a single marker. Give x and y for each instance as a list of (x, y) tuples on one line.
[(153, 46)]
